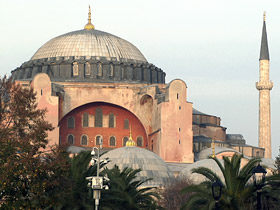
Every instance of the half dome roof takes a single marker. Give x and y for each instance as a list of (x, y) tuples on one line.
[(90, 43)]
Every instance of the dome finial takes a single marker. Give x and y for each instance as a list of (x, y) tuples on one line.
[(130, 142), (89, 25), (264, 16)]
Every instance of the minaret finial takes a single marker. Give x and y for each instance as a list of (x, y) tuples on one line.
[(89, 25), (213, 148), (264, 15), (130, 142)]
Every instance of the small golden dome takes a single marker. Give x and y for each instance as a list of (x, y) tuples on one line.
[(130, 142), (89, 25)]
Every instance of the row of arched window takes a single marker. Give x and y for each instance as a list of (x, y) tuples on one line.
[(98, 120), (112, 140), (75, 69)]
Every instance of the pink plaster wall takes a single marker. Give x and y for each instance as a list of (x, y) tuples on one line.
[(176, 125), (42, 86)]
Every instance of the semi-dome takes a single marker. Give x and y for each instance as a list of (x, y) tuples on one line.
[(90, 43), (134, 157)]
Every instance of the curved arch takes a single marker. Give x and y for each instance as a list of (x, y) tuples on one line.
[(107, 130), (112, 141), (71, 139), (84, 140)]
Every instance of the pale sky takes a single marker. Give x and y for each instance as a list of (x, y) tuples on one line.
[(213, 45)]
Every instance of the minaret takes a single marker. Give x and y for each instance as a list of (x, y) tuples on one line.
[(264, 86)]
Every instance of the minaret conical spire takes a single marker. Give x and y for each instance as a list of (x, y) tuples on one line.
[(264, 54)]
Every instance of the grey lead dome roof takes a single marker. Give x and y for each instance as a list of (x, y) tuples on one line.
[(90, 43), (134, 157)]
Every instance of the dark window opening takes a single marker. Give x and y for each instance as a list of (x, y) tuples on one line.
[(84, 140), (125, 139), (111, 121), (139, 141), (85, 120), (98, 140), (112, 141), (70, 139), (71, 122), (126, 124), (98, 120)]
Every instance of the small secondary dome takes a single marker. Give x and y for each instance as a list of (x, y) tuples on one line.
[(197, 178), (134, 157)]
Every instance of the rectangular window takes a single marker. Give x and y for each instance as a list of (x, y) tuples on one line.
[(111, 120), (98, 120), (126, 124)]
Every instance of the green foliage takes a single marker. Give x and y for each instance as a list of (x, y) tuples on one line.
[(30, 176), (125, 191), (237, 188)]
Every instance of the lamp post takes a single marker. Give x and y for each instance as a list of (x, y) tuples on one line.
[(96, 182), (217, 192), (259, 178)]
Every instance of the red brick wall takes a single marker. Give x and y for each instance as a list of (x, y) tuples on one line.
[(118, 131)]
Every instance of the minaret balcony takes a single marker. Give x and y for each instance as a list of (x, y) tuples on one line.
[(264, 85)]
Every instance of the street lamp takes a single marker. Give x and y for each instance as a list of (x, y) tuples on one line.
[(217, 191), (96, 182), (259, 178)]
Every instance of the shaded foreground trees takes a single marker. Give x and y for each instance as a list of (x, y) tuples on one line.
[(171, 196), (124, 192), (29, 176)]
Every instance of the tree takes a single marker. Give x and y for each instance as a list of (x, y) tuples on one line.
[(171, 196), (125, 191), (236, 191), (29, 175)]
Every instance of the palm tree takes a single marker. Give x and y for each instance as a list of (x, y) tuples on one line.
[(126, 192), (237, 188)]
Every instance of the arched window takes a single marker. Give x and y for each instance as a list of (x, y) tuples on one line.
[(71, 122), (112, 142), (99, 69), (98, 120), (98, 140), (125, 139), (126, 124), (85, 119), (122, 70), (87, 69), (139, 141), (84, 140), (70, 139), (75, 69), (111, 120), (111, 70)]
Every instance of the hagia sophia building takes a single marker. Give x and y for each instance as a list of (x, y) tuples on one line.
[(97, 85)]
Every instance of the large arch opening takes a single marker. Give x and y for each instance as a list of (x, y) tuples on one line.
[(102, 119)]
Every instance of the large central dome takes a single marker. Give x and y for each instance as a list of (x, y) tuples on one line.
[(90, 43)]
